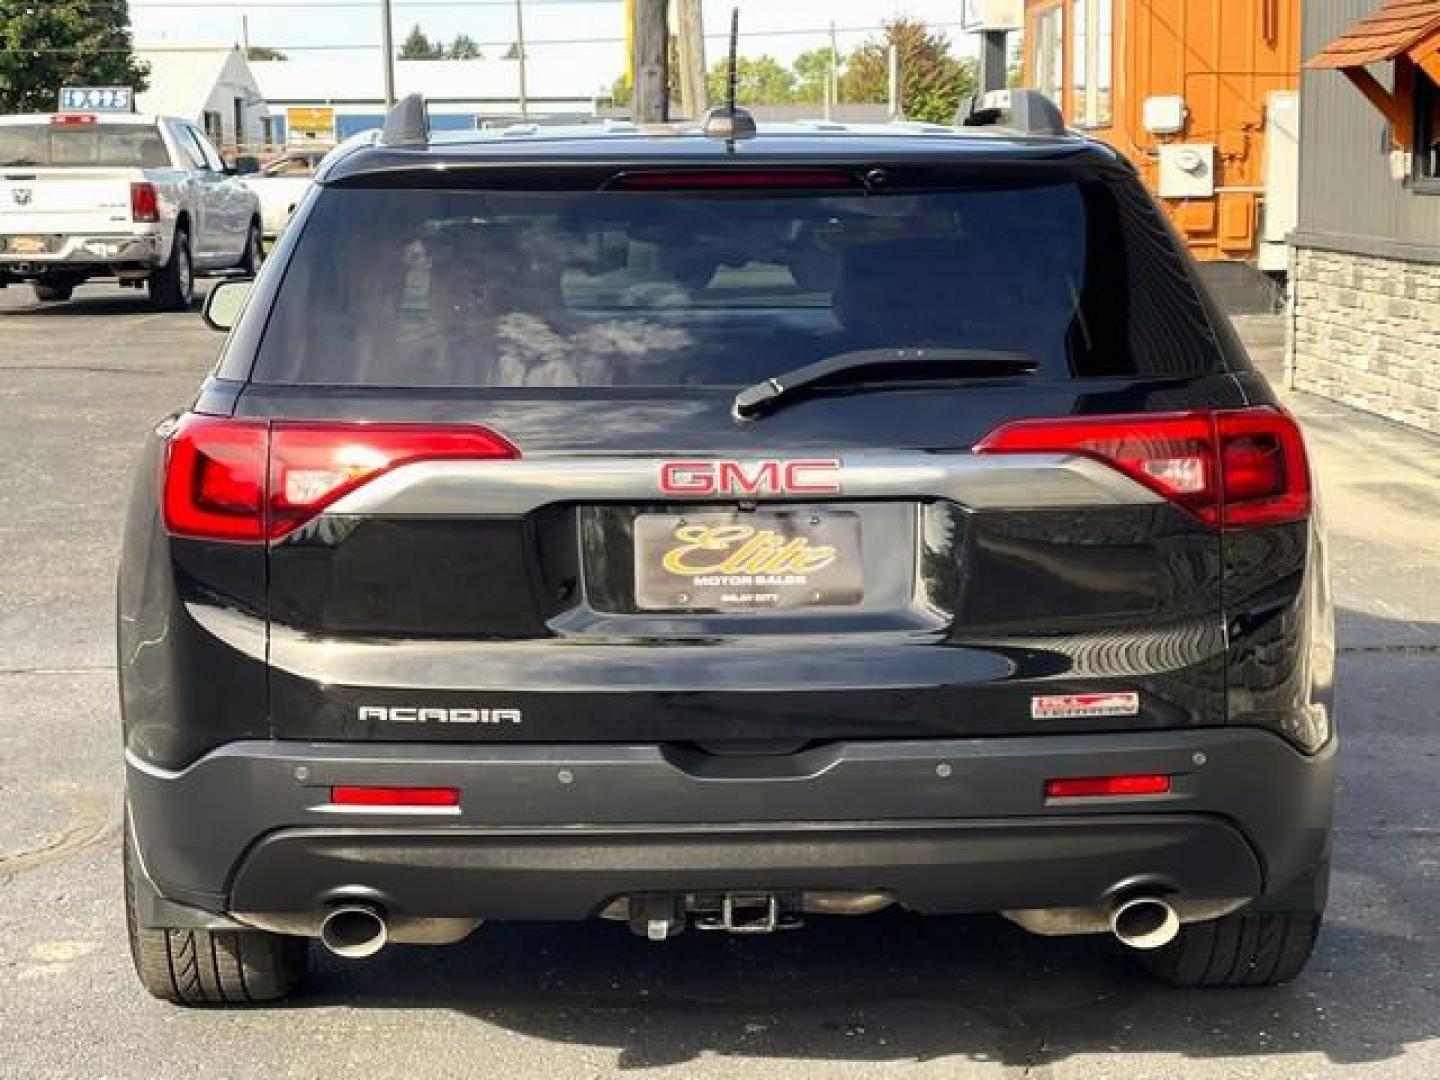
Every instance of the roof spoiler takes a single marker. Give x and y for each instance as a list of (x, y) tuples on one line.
[(408, 123), (1026, 111)]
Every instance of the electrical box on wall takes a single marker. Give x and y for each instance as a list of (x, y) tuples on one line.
[(1164, 115), (1187, 171)]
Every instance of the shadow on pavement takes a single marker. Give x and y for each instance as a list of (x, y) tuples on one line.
[(90, 305), (886, 988)]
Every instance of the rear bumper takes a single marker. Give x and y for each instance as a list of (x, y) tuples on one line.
[(557, 832), (90, 252)]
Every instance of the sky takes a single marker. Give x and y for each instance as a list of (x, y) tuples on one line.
[(588, 34)]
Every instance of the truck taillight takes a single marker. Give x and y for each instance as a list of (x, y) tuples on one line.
[(144, 203), (249, 481), (1230, 468)]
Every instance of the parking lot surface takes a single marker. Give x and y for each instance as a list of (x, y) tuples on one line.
[(891, 995)]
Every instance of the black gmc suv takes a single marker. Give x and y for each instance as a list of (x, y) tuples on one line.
[(704, 531)]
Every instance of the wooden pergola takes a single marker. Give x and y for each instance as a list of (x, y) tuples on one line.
[(1403, 32)]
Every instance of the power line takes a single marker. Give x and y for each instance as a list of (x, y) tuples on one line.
[(530, 43)]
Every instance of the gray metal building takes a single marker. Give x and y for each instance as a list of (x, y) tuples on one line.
[(1365, 267)]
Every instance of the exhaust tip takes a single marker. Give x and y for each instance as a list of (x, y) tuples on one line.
[(1144, 922), (354, 932)]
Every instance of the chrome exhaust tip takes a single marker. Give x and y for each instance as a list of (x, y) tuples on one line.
[(1144, 922), (354, 931)]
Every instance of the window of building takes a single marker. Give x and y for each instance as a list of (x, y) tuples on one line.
[(1047, 58), (214, 125), (1427, 133), (1092, 62)]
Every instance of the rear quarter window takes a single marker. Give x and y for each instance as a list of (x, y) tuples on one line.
[(474, 288)]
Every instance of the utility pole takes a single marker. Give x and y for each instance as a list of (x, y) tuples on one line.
[(520, 57), (387, 43), (651, 62), (832, 84), (694, 94), (896, 110), (245, 35)]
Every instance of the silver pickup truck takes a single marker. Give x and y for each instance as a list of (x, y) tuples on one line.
[(142, 199)]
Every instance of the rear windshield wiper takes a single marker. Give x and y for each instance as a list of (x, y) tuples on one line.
[(891, 363)]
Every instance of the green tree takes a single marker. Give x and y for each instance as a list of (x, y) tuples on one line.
[(621, 92), (264, 52), (812, 72), (44, 46), (761, 80), (932, 82), (417, 46), (463, 48)]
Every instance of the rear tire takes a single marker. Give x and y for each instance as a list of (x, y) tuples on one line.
[(172, 287), (1263, 948), (53, 292), (211, 967)]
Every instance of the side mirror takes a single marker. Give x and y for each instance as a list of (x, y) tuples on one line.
[(247, 165), (225, 303)]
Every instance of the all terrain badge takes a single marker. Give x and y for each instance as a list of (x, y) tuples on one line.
[(1078, 706)]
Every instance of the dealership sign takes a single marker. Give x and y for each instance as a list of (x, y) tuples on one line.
[(993, 15), (97, 99)]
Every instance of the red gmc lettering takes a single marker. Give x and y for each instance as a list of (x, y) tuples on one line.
[(730, 476), (810, 476)]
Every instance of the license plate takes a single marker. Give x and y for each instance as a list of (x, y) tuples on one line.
[(28, 245), (762, 561)]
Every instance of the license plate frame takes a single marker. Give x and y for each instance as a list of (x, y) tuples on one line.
[(789, 560)]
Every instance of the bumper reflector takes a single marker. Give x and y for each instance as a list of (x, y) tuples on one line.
[(394, 796), (1084, 787)]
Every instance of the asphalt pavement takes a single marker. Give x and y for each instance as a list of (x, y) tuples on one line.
[(887, 995)]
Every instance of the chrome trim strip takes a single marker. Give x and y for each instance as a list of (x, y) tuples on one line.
[(514, 488)]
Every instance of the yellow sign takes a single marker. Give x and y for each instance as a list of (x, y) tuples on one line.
[(742, 549), (309, 122)]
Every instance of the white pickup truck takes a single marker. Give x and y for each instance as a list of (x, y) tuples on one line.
[(142, 199)]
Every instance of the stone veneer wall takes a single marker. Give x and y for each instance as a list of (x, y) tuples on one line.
[(1366, 331)]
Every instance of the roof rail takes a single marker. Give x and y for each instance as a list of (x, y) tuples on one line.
[(408, 123), (1026, 111)]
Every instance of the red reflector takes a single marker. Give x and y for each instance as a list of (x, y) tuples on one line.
[(144, 202), (217, 485), (1080, 787), (1234, 467), (72, 119), (394, 796), (733, 179)]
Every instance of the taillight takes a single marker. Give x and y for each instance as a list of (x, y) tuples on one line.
[(250, 481), (1095, 787), (1230, 468), (73, 119), (215, 479), (144, 203)]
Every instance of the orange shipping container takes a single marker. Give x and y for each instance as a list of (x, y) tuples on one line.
[(1190, 91)]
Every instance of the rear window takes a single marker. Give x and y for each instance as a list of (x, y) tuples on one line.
[(471, 288), (128, 146)]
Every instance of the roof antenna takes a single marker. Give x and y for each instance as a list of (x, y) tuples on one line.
[(730, 122)]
